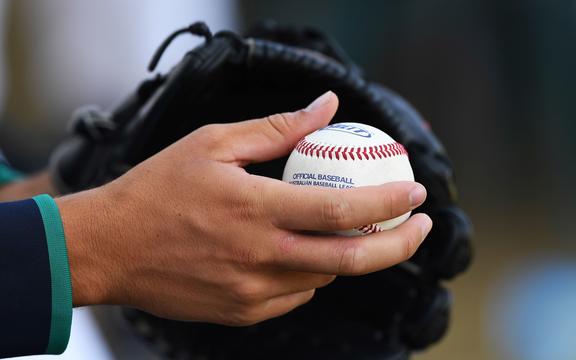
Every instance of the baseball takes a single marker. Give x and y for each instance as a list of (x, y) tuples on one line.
[(347, 155)]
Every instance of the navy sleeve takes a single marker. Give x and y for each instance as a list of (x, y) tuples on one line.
[(25, 302), (35, 284)]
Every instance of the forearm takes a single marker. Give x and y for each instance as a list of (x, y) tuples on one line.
[(25, 188)]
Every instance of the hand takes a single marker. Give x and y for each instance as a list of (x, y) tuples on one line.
[(190, 235)]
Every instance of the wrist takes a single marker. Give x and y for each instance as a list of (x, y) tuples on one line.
[(88, 221)]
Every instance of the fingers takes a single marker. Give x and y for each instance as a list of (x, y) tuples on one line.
[(270, 308), (313, 208), (275, 135), (269, 295), (284, 304), (353, 255), (294, 282), (287, 282)]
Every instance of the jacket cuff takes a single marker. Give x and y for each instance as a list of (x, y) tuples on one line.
[(61, 285)]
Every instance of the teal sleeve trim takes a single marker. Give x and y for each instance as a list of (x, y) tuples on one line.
[(61, 321), (7, 174)]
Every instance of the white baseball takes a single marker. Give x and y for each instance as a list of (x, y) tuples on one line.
[(346, 155)]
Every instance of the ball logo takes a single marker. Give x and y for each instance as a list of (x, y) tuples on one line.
[(350, 129)]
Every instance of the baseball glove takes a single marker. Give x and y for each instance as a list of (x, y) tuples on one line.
[(228, 78)]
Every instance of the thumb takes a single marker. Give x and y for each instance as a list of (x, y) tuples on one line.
[(276, 135)]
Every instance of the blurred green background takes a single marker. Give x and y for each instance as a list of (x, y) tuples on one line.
[(495, 78)]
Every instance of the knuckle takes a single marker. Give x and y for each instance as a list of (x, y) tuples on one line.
[(299, 299), (352, 261), (279, 123), (268, 200), (411, 242), (210, 137), (212, 131), (251, 257), (248, 293), (248, 203), (336, 213), (390, 204), (286, 244), (245, 316)]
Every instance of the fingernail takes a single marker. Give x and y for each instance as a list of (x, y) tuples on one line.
[(425, 226), (417, 196), (320, 101)]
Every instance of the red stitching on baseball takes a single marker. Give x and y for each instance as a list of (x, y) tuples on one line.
[(369, 229), (384, 151)]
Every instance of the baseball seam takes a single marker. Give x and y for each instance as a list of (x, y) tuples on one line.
[(369, 229), (383, 151)]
